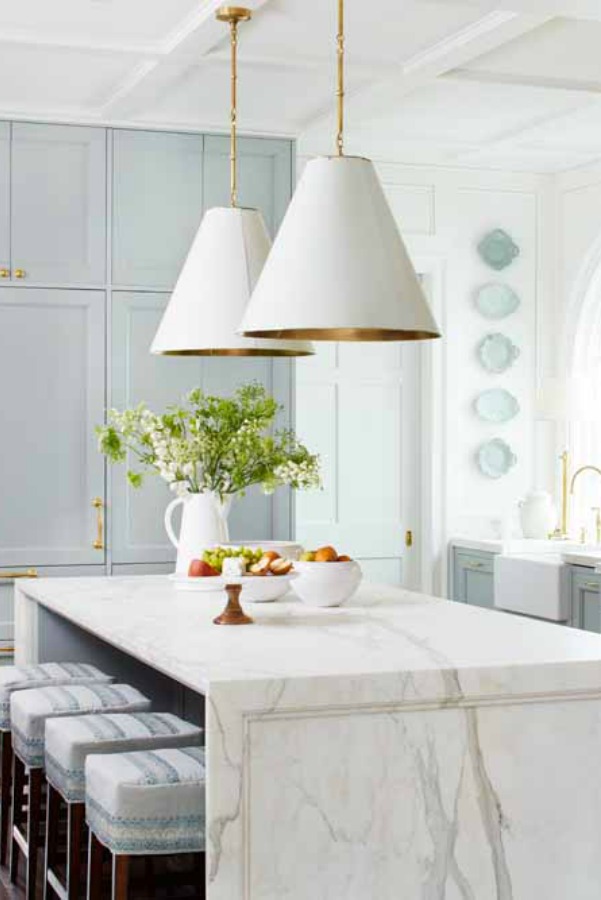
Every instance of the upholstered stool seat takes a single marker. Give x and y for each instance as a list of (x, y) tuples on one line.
[(68, 743), (17, 678), (145, 803), (29, 711)]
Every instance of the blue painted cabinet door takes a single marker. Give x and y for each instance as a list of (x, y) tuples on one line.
[(137, 532), (52, 390), (4, 198), (586, 599), (473, 578), (58, 204), (157, 205)]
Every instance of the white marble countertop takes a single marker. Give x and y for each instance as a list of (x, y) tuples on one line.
[(589, 558), (382, 631)]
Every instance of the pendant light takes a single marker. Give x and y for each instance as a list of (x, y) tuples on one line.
[(339, 270), (222, 267)]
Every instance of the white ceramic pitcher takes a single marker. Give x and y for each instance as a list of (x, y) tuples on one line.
[(537, 514), (204, 525)]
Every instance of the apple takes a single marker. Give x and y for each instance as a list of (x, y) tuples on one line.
[(200, 569)]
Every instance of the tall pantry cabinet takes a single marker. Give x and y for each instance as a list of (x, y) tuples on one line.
[(94, 227)]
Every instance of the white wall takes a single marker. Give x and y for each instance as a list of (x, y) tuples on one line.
[(442, 214)]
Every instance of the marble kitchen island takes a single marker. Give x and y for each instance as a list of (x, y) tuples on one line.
[(397, 748)]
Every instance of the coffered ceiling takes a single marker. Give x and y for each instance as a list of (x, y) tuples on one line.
[(449, 83)]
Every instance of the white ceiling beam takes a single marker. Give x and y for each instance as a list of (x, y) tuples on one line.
[(570, 85), (573, 9), (192, 39), (485, 34)]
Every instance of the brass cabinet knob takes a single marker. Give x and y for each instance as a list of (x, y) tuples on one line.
[(10, 576), (4, 273), (19, 273)]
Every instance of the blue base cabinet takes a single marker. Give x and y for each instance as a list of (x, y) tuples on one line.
[(473, 578), (585, 599)]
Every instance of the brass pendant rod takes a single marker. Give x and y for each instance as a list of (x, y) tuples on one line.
[(340, 88), (234, 114)]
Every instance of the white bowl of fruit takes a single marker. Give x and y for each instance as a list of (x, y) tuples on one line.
[(264, 576), (325, 578)]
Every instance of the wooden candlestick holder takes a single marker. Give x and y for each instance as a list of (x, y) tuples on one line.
[(233, 614)]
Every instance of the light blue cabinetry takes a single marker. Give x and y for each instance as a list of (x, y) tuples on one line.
[(4, 197), (58, 204), (585, 599), (473, 577), (157, 205), (52, 394)]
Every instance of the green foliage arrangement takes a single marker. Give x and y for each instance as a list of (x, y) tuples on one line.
[(218, 444)]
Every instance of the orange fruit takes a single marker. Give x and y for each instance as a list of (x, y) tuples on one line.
[(326, 554), (344, 559), (270, 555)]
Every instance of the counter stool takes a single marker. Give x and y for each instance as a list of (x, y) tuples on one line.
[(29, 711), (18, 678), (145, 804), (68, 743)]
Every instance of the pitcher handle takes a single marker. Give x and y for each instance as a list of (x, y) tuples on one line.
[(169, 521)]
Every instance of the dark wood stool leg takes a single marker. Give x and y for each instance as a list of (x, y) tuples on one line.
[(95, 858), (17, 815), (120, 876), (201, 876), (34, 815), (75, 831), (53, 807), (6, 749)]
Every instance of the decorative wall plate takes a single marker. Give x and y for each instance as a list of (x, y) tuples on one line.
[(495, 458), (496, 405), (497, 353), (496, 301), (498, 249)]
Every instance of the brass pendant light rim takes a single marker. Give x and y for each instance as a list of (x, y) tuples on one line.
[(345, 334), (236, 351), (233, 14)]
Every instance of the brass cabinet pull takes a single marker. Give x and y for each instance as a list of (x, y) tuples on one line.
[(4, 273), (98, 505), (8, 576), (408, 539), (475, 565), (590, 585), (19, 273)]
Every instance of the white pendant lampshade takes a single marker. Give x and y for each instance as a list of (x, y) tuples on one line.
[(214, 287), (223, 265), (339, 269)]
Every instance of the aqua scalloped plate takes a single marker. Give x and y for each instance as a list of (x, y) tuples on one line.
[(498, 249), (496, 301), (497, 353), (495, 458), (496, 405)]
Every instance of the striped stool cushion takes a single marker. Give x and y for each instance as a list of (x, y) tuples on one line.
[(70, 741), (18, 678), (29, 711), (149, 802)]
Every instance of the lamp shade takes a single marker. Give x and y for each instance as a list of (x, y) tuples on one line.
[(339, 269), (214, 287)]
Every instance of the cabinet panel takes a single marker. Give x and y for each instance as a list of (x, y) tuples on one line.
[(137, 532), (59, 203), (4, 195), (264, 178), (52, 397), (157, 205), (473, 578), (586, 599)]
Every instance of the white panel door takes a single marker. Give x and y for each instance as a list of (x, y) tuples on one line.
[(58, 203), (52, 386), (355, 406)]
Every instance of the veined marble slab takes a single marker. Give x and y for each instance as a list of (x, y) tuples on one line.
[(397, 748)]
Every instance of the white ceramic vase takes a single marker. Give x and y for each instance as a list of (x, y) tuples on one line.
[(538, 515), (204, 525)]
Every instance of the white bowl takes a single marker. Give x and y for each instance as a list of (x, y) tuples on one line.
[(255, 588), (286, 549), (326, 583)]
